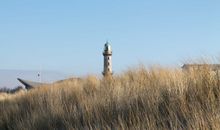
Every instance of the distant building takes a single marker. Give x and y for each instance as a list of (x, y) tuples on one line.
[(193, 67), (107, 53), (30, 84)]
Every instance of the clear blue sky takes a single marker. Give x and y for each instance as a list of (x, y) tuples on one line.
[(69, 35)]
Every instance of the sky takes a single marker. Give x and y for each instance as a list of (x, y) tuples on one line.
[(68, 36)]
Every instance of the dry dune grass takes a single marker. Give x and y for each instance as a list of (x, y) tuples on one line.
[(139, 98), (5, 96)]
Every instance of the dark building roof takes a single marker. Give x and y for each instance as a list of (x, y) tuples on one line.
[(30, 84)]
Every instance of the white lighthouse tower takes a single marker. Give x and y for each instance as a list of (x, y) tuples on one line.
[(107, 53)]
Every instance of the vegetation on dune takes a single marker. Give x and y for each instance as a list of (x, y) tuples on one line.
[(139, 98), (11, 91)]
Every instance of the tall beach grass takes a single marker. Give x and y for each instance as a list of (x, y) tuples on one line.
[(140, 98)]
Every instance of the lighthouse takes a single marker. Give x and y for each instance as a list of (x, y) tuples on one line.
[(107, 53)]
